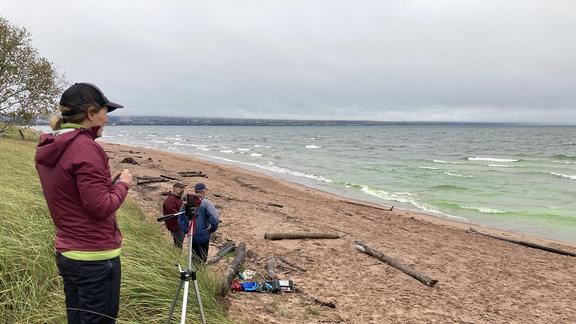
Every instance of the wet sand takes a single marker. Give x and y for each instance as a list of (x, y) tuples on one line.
[(480, 279)]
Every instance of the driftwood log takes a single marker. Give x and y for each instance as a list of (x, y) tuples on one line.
[(314, 299), (225, 249), (274, 205), (234, 267), (171, 178), (292, 264), (528, 244), (270, 265), (192, 174), (296, 236), (369, 206), (360, 246), (148, 179)]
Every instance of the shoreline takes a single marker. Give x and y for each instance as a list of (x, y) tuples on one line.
[(480, 279), (421, 214)]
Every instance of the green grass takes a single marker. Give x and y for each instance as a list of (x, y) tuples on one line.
[(30, 288)]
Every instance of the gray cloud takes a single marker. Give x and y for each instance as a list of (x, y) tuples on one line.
[(383, 60)]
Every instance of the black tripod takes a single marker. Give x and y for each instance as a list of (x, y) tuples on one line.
[(185, 276)]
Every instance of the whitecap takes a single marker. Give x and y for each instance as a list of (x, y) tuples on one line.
[(275, 169), (398, 198), (457, 175), (427, 168), (313, 146), (160, 142), (501, 165), (445, 162), (241, 149), (227, 151), (263, 146), (203, 149), (255, 154), (483, 210), (566, 176), (490, 159)]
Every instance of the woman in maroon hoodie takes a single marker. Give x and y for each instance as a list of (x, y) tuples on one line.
[(82, 201)]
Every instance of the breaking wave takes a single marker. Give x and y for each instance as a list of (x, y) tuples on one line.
[(566, 176), (489, 159)]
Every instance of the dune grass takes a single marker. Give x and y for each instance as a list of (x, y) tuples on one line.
[(30, 288)]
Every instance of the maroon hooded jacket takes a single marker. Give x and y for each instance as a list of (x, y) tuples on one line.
[(77, 185), (172, 205)]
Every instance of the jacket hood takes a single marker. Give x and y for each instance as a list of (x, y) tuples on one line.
[(51, 146)]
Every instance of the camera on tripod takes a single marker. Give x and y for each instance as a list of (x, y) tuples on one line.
[(191, 205)]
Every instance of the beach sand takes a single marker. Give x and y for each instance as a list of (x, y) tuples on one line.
[(480, 279)]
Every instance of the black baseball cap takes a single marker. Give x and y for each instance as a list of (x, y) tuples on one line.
[(81, 94)]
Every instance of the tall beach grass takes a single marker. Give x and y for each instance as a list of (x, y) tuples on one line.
[(30, 288)]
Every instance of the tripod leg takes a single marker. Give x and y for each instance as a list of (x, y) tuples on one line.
[(184, 302), (199, 302), (174, 302)]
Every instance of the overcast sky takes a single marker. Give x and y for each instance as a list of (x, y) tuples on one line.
[(428, 60)]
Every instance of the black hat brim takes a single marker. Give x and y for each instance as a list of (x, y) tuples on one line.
[(113, 106)]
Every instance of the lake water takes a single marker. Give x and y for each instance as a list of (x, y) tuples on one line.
[(518, 178)]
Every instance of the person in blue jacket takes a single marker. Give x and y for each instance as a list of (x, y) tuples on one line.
[(206, 223)]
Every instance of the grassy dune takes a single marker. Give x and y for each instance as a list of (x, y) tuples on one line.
[(30, 288)]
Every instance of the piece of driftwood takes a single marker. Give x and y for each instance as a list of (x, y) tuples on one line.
[(225, 249), (365, 205), (296, 236), (299, 290), (171, 178), (188, 174), (292, 264), (270, 265), (528, 244), (274, 205), (360, 246), (21, 134), (234, 267), (150, 180)]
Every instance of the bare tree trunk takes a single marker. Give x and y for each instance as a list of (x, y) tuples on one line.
[(234, 267), (360, 246), (528, 244), (227, 248), (288, 236), (270, 265)]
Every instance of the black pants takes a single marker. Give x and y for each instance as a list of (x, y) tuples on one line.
[(200, 251), (178, 237), (92, 289)]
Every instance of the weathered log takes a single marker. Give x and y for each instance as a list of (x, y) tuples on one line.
[(366, 205), (270, 265), (151, 181), (292, 236), (360, 246), (234, 267), (191, 172), (21, 134), (274, 205), (171, 178), (225, 249), (528, 244), (292, 264), (314, 299), (194, 175)]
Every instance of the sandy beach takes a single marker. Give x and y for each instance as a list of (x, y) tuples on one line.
[(480, 279)]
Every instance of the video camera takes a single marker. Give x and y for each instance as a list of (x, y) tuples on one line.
[(191, 204)]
